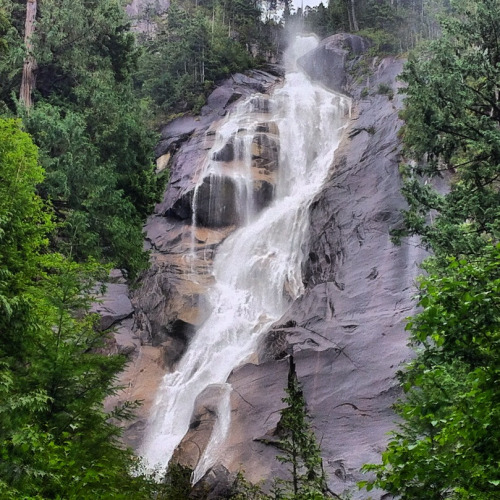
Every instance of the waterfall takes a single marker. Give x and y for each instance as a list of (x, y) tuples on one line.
[(257, 270)]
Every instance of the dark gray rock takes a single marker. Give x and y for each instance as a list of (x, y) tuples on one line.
[(216, 202), (114, 305), (217, 483), (326, 64)]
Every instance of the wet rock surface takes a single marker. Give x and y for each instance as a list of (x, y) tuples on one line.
[(347, 331), (203, 419), (169, 302), (328, 62)]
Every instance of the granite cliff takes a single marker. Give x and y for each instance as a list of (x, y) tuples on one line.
[(346, 331)]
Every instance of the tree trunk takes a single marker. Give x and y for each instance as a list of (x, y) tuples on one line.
[(29, 67), (355, 26)]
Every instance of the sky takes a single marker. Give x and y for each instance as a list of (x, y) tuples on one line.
[(311, 3)]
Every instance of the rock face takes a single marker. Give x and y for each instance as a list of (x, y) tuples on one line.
[(347, 330), (187, 227), (139, 7), (327, 63), (188, 224)]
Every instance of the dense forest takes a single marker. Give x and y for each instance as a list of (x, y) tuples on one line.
[(81, 98)]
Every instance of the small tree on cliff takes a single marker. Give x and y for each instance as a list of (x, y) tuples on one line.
[(299, 444)]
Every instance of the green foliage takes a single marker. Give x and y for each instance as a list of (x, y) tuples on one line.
[(11, 53), (382, 41), (56, 441), (244, 490), (385, 89), (452, 127), (393, 26), (4, 28), (194, 47), (299, 445), (89, 125), (24, 223)]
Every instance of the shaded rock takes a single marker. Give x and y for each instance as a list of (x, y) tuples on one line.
[(216, 202), (326, 63), (114, 305), (217, 483), (174, 340), (263, 194)]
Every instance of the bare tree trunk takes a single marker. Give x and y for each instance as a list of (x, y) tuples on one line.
[(355, 26), (29, 67)]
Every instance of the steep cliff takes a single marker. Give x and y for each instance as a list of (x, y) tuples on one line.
[(169, 301), (346, 331)]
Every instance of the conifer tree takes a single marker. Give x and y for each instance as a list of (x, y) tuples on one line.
[(299, 445), (56, 441)]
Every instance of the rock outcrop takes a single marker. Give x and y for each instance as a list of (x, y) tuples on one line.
[(347, 331), (328, 62)]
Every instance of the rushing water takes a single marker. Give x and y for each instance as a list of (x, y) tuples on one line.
[(257, 270)]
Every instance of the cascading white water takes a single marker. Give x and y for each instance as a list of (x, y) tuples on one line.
[(257, 270)]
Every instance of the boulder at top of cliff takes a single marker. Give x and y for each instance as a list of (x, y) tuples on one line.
[(326, 63)]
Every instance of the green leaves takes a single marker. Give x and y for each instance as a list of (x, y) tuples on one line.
[(452, 128), (56, 441), (193, 48)]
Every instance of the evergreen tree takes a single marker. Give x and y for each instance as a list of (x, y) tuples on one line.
[(197, 44), (300, 447), (56, 441), (88, 124)]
